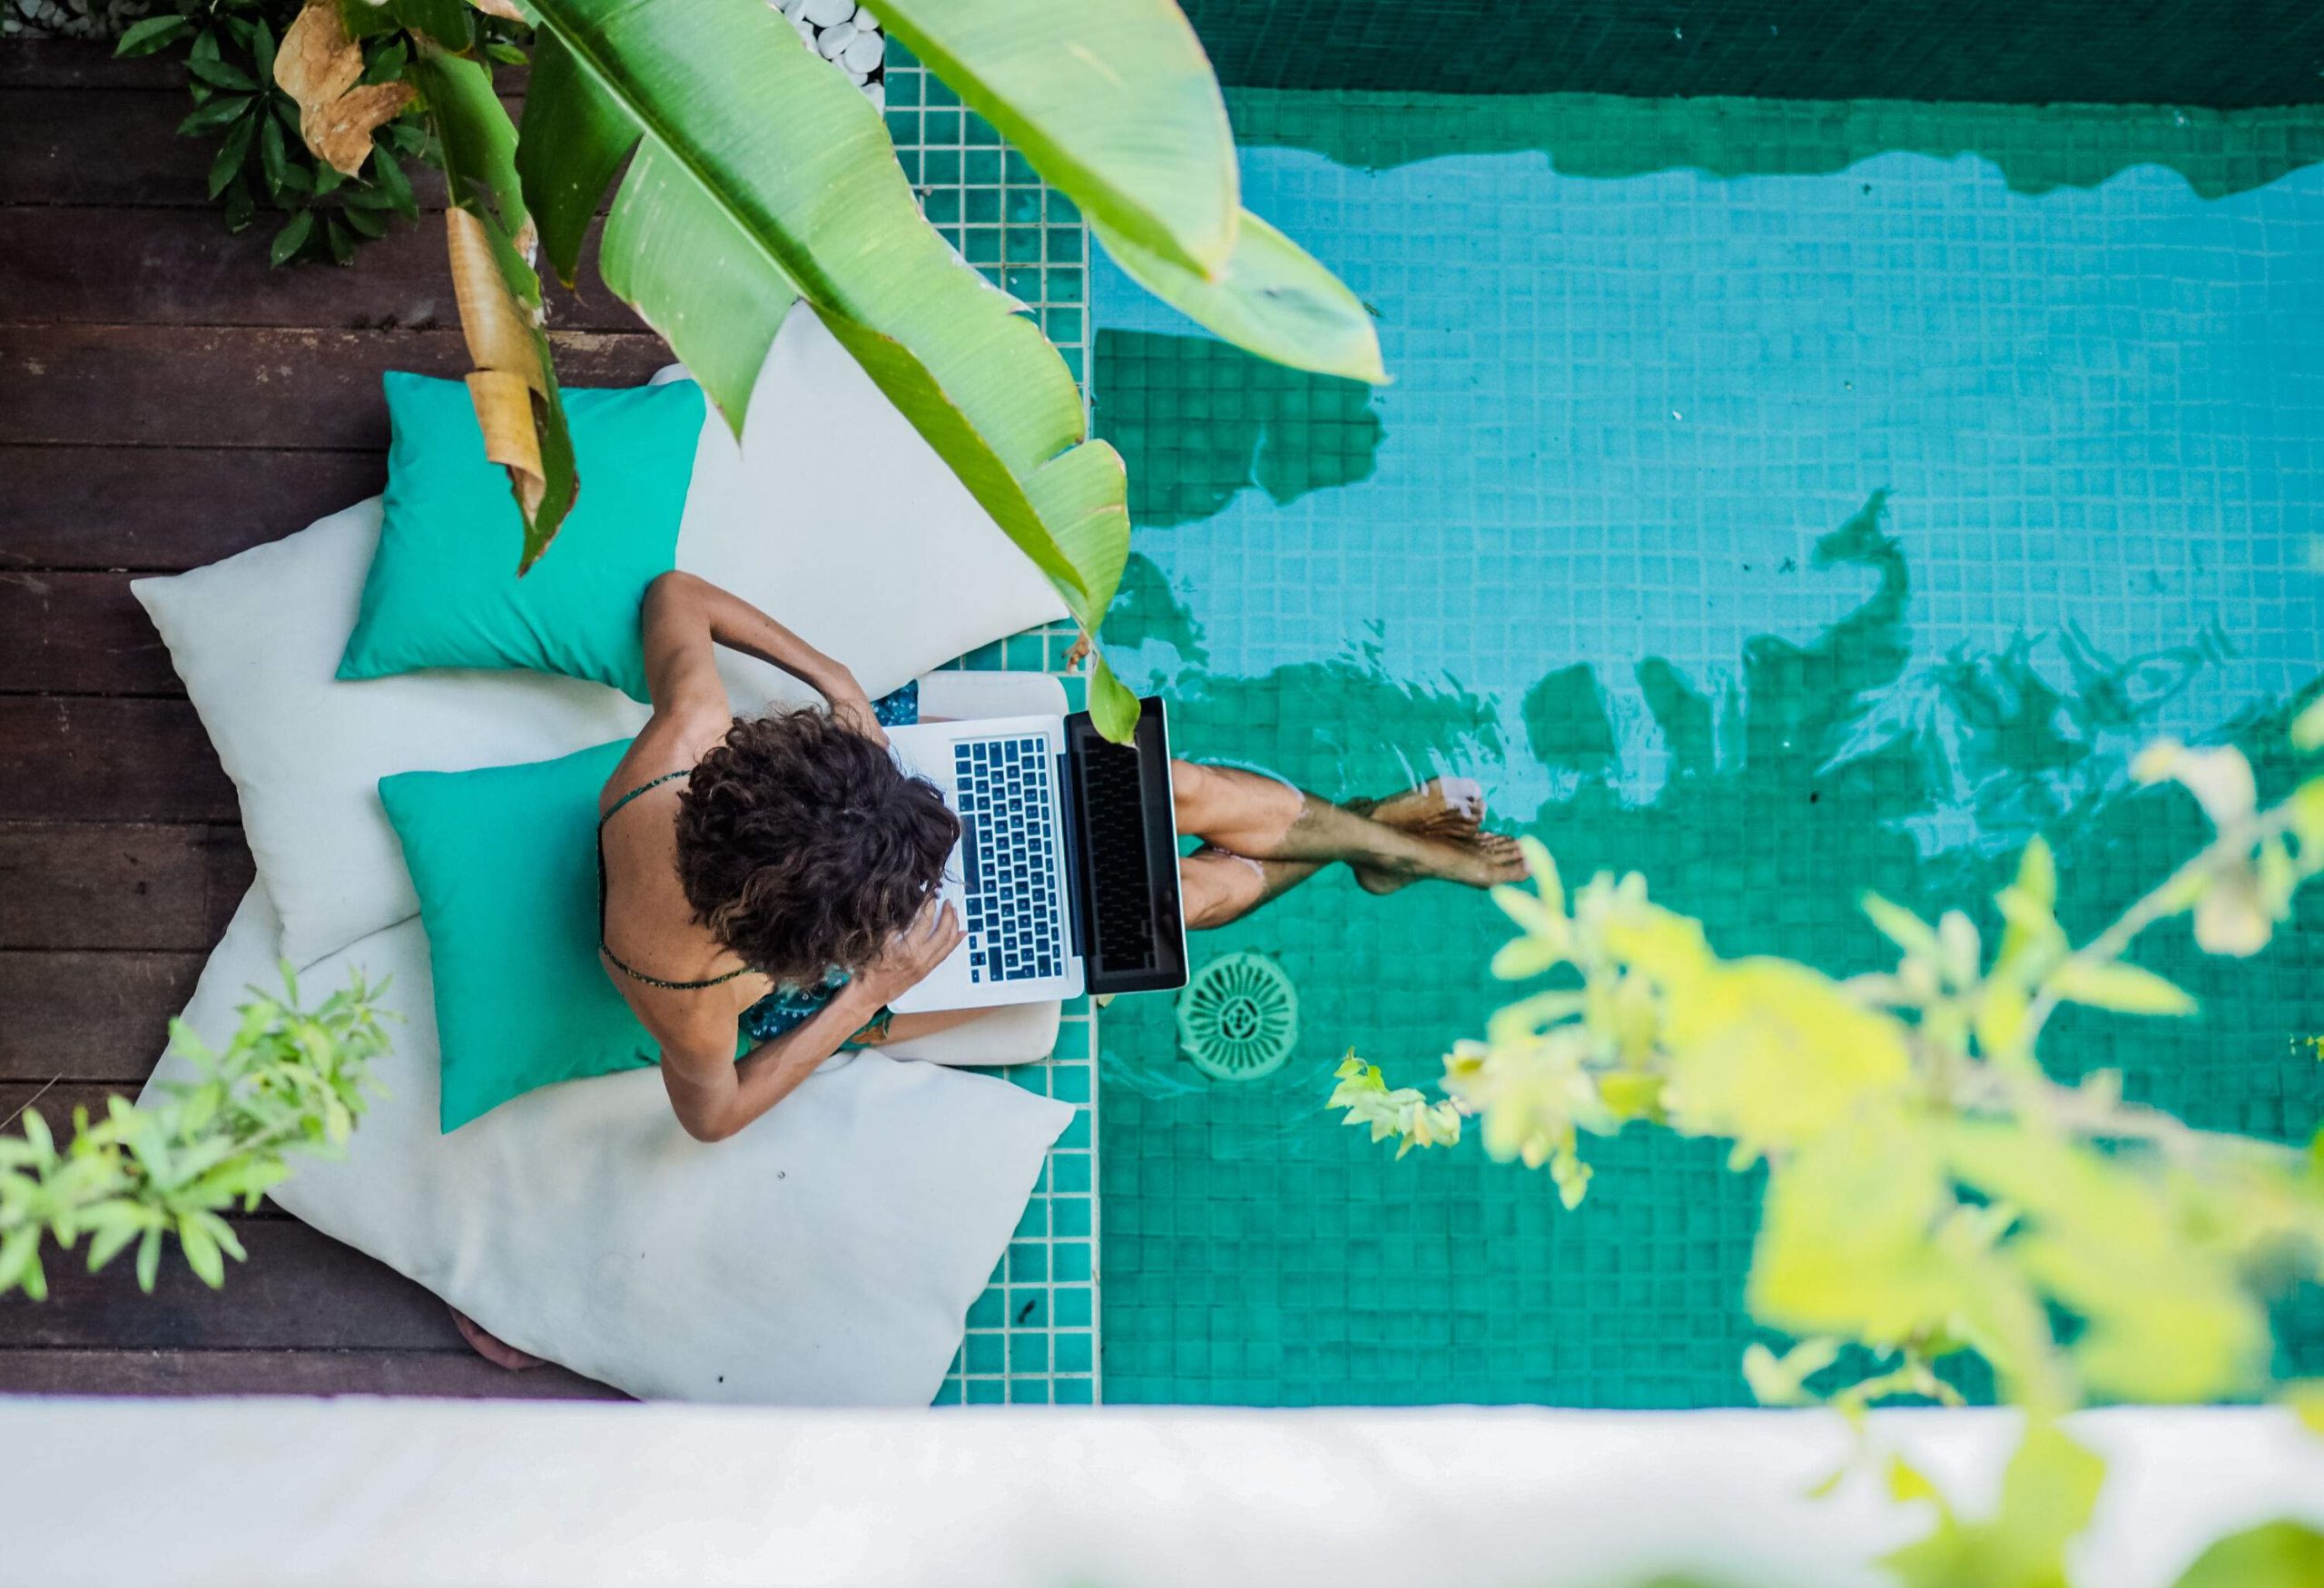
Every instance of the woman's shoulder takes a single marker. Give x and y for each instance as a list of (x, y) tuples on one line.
[(670, 743)]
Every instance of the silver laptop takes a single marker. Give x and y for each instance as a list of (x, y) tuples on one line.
[(1066, 872)]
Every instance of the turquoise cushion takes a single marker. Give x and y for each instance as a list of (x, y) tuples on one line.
[(504, 861), (443, 590)]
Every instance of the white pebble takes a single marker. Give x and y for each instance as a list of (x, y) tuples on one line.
[(864, 52), (806, 31), (836, 39), (854, 77), (792, 8), (864, 21), (829, 13), (877, 93)]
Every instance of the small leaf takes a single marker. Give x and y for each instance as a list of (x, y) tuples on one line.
[(1900, 926), (390, 180), (213, 115), (262, 51), (291, 238), (2308, 727), (2037, 874), (221, 73), (231, 155), (202, 1253), (273, 154), (2125, 989), (148, 34), (1113, 709), (1521, 958)]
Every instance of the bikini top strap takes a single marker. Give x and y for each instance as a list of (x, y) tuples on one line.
[(611, 810)]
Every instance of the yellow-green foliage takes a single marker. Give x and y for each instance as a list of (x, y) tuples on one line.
[(290, 1081), (1930, 1189)]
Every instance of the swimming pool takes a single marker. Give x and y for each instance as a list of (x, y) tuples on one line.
[(1779, 500)]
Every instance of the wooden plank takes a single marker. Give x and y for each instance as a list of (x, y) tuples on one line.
[(164, 509), (66, 145), (197, 386), (56, 1100), (82, 64), (69, 146), (461, 1374), (298, 1290), (89, 759), (181, 266), (87, 1020), (83, 758), (79, 634), (67, 886)]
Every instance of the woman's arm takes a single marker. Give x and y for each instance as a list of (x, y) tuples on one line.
[(683, 615), (716, 1096)]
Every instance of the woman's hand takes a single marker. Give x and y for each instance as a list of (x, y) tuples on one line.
[(913, 953), (851, 706)]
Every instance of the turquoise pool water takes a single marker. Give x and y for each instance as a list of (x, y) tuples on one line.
[(1776, 535)]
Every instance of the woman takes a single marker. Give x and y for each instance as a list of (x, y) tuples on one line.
[(775, 878)]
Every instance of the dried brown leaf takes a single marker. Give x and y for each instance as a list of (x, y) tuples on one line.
[(317, 61), (319, 64), (507, 10), (507, 356), (340, 131)]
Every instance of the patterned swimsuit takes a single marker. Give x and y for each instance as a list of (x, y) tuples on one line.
[(785, 1008)]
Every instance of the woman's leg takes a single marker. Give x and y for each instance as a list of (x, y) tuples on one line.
[(1261, 818), (1216, 886)]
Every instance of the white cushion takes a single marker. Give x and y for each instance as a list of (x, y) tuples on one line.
[(825, 1256), (836, 518), (257, 639)]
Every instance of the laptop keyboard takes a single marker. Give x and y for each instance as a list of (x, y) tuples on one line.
[(1011, 854), (1115, 808)]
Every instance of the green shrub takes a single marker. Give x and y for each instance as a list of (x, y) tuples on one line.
[(288, 1082)]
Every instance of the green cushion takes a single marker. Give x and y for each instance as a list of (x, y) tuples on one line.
[(504, 861), (443, 590)]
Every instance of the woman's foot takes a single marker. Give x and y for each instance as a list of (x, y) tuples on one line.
[(491, 1347), (1449, 812)]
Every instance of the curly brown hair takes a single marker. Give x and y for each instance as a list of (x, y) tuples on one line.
[(804, 846)]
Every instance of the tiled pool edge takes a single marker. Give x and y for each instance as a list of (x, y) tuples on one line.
[(1032, 1337)]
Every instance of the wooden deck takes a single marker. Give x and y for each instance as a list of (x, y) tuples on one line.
[(165, 400)]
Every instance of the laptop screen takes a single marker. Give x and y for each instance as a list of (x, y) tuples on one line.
[(1133, 940)]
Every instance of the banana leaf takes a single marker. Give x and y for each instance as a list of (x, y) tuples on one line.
[(761, 177), (1112, 101)]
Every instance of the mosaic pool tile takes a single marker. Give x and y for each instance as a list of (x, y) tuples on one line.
[(1836, 525), (1032, 1336)]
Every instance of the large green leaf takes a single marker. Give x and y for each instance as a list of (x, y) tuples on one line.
[(1112, 101), (673, 250), (1082, 496), (793, 184), (573, 138), (1270, 298)]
